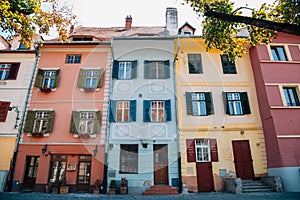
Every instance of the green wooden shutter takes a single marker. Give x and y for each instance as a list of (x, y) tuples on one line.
[(134, 69), (189, 105), (81, 78), (112, 111), (225, 102), (167, 69), (133, 110), (147, 69), (97, 122), (56, 79), (115, 70), (39, 78), (50, 122), (74, 122), (147, 106), (245, 103), (29, 121), (100, 78), (209, 103), (168, 110)]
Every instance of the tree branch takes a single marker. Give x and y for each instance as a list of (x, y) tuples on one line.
[(286, 28)]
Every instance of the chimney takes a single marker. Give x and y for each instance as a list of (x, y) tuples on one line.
[(171, 21), (128, 22)]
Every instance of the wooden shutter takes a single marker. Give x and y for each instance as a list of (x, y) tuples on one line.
[(209, 103), (213, 150), (134, 69), (147, 106), (190, 150), (225, 102), (50, 122), (115, 70), (147, 69), (39, 78), (189, 105), (29, 121), (133, 110), (112, 111), (245, 103), (56, 79), (3, 110), (13, 72), (100, 78), (74, 122), (167, 69), (97, 122), (168, 110), (81, 78)]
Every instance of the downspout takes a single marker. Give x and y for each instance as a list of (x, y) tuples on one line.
[(176, 116), (13, 162)]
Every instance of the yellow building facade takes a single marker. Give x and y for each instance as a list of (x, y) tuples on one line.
[(218, 118)]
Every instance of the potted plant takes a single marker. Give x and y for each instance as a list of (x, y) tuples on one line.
[(63, 188), (112, 187), (45, 89), (97, 186), (123, 188)]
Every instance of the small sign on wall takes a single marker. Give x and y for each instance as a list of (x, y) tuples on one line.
[(71, 166)]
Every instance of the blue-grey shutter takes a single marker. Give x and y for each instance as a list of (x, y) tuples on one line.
[(112, 111), (147, 106), (189, 105), (245, 103), (209, 103), (167, 69), (134, 69), (115, 70), (225, 102), (133, 110), (168, 110), (147, 69)]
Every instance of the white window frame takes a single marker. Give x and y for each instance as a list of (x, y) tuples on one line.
[(126, 67), (92, 76), (234, 103), (123, 110), (286, 50), (85, 118), (5, 68), (199, 104), (158, 107), (49, 76), (72, 58), (158, 68), (202, 146), (297, 88), (42, 118)]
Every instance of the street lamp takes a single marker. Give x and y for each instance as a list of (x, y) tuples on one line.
[(16, 109)]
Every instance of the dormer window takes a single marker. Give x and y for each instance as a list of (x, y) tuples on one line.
[(187, 33), (82, 38)]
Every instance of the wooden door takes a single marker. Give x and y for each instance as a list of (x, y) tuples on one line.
[(32, 163), (243, 159), (205, 179), (161, 164)]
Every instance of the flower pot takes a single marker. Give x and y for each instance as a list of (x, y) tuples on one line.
[(123, 190), (112, 191)]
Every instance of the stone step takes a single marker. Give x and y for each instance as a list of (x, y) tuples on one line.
[(257, 190), (161, 190), (255, 187)]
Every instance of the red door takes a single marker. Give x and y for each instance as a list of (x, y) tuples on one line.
[(205, 177), (161, 164), (243, 159)]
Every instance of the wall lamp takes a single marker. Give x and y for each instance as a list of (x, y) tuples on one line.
[(95, 151), (144, 144), (242, 132), (44, 149), (16, 109)]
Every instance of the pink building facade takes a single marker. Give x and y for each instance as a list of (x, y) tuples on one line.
[(276, 68)]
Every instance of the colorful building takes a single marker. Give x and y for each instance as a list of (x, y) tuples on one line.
[(276, 69), (219, 122)]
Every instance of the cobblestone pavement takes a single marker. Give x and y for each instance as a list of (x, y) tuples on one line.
[(190, 196)]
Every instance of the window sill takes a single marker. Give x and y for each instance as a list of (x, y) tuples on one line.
[(285, 107), (89, 90), (279, 61), (43, 135), (52, 90), (85, 136)]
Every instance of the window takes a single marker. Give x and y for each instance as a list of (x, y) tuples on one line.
[(47, 78), (82, 39), (157, 111), (157, 69), (122, 111), (85, 122), (73, 59), (228, 66), (129, 158), (236, 103), (90, 78), (32, 164), (39, 121), (84, 171), (199, 103), (278, 53), (291, 96), (22, 47), (195, 64), (58, 165), (202, 151), (9, 71), (124, 70), (187, 33), (3, 110)]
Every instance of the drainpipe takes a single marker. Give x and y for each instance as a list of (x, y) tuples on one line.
[(13, 161), (176, 117)]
